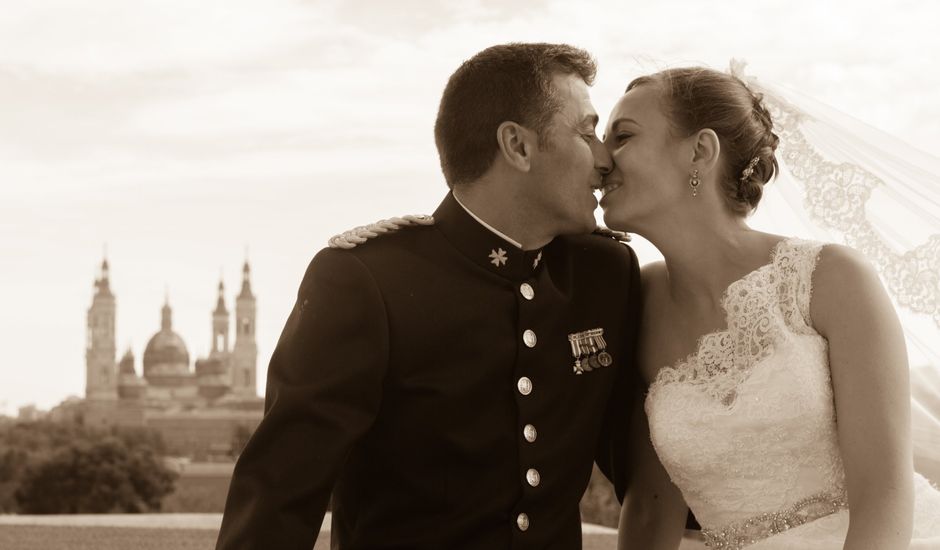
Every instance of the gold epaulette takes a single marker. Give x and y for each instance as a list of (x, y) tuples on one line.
[(619, 236), (358, 235)]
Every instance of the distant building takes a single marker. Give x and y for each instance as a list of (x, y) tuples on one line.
[(29, 413), (198, 411)]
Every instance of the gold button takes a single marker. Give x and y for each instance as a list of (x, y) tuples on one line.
[(527, 291), (529, 338), (533, 477), (522, 521), (524, 385), (530, 433)]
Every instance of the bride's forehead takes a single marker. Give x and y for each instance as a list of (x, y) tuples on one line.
[(641, 104), (639, 99)]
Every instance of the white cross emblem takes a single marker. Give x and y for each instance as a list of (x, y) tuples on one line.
[(498, 258)]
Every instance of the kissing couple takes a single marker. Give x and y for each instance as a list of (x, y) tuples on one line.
[(448, 381)]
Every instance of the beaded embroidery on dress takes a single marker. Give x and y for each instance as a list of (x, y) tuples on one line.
[(745, 426)]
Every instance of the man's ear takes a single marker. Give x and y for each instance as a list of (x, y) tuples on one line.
[(516, 145), (706, 149)]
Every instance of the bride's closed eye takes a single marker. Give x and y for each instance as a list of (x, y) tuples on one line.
[(621, 138)]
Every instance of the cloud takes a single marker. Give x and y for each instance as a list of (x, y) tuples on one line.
[(111, 36)]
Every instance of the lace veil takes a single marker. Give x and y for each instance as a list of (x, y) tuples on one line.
[(843, 181)]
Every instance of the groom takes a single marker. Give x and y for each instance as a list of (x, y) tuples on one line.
[(451, 384)]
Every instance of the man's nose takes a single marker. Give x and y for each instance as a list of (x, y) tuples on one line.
[(603, 163)]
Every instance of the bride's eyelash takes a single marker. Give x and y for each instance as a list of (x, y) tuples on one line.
[(620, 138)]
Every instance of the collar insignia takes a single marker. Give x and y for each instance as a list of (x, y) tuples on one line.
[(537, 260), (498, 257)]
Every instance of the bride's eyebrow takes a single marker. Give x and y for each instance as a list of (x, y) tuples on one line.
[(623, 120)]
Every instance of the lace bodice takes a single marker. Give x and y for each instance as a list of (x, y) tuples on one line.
[(745, 425)]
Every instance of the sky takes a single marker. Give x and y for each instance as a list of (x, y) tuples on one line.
[(182, 137)]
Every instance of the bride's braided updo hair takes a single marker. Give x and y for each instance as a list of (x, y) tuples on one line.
[(696, 98)]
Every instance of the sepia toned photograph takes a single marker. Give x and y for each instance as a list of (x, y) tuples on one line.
[(311, 274)]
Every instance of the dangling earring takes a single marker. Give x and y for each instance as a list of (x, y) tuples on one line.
[(693, 183)]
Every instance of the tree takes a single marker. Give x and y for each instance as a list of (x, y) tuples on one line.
[(104, 476), (135, 437)]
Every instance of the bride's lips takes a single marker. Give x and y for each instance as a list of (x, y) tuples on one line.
[(610, 187), (607, 188)]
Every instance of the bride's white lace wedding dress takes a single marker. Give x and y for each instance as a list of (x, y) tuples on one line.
[(746, 426)]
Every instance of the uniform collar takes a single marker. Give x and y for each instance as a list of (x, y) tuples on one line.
[(499, 233), (481, 244)]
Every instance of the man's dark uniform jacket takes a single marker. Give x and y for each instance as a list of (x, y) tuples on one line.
[(425, 380)]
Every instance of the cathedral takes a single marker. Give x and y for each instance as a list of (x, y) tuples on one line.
[(199, 411)]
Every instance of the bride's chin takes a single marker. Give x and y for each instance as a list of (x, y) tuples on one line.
[(615, 220)]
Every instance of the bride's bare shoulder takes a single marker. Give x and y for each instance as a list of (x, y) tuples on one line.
[(653, 274), (653, 279), (654, 283), (840, 277), (835, 263), (654, 352)]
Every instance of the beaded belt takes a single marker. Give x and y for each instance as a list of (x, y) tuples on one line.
[(743, 533)]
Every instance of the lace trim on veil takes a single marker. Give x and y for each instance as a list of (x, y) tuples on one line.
[(835, 196)]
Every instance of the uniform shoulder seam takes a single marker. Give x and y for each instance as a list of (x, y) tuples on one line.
[(364, 233)]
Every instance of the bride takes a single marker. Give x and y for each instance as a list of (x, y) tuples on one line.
[(778, 407)]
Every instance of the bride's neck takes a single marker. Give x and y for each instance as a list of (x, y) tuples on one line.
[(703, 258)]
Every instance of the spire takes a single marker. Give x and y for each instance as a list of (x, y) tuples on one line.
[(167, 321), (220, 303), (103, 282), (104, 264), (246, 281)]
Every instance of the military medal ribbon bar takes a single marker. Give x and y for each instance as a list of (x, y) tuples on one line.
[(589, 350)]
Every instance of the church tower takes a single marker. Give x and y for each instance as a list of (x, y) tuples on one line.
[(220, 325), (245, 353), (100, 348)]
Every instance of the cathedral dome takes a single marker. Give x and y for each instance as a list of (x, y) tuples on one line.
[(165, 348), (166, 354)]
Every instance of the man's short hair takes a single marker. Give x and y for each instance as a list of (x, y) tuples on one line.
[(508, 82)]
